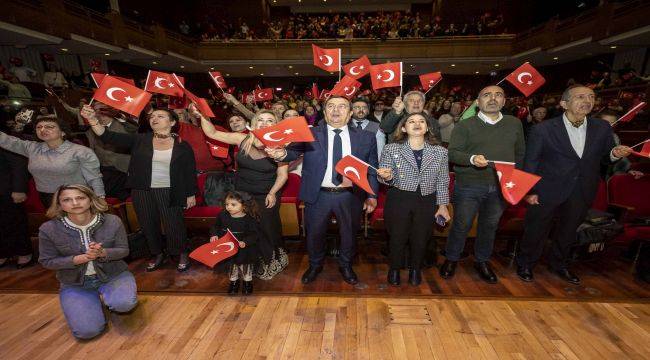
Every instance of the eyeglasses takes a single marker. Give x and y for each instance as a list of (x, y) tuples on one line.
[(340, 107), (359, 107)]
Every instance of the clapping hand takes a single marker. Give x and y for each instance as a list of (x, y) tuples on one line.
[(385, 173)]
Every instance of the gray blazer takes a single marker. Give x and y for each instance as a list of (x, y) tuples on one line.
[(59, 243), (432, 177)]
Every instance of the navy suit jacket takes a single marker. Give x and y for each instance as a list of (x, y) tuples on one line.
[(363, 145), (550, 155)]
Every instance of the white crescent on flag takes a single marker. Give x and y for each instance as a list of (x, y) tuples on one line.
[(329, 60), (354, 89), (522, 75), (157, 82), (391, 76), (230, 244), (261, 95), (268, 136), (353, 170), (218, 81), (109, 92), (355, 73)]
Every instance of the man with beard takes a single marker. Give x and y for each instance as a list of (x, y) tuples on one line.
[(488, 136), (360, 110)]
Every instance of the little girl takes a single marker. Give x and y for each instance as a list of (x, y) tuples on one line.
[(242, 219)]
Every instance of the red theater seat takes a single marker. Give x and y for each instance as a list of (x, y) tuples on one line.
[(290, 206), (634, 196), (201, 216)]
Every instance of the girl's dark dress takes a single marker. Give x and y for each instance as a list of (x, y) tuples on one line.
[(246, 229)]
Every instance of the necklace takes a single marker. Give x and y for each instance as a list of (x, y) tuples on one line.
[(162, 136)]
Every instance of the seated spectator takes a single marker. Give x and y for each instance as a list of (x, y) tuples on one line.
[(53, 78), (86, 245), (162, 179), (16, 90), (448, 120), (56, 161)]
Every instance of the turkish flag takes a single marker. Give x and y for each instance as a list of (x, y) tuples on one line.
[(526, 79), (218, 79), (122, 96), (386, 75), (218, 149), (358, 68), (515, 183), (231, 90), (179, 102), (201, 103), (327, 59), (214, 252), (347, 87), (325, 94), (632, 113), (163, 83), (263, 94), (430, 80), (314, 91), (98, 77), (294, 129), (356, 170), (645, 150)]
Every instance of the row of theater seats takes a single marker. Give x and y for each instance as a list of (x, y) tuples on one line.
[(622, 194)]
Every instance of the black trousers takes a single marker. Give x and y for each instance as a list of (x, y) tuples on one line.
[(46, 199), (14, 238), (152, 208), (271, 226), (114, 183), (537, 224), (409, 218)]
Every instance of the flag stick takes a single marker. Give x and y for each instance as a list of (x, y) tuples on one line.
[(339, 64), (497, 84), (401, 79), (426, 92), (642, 142), (501, 162)]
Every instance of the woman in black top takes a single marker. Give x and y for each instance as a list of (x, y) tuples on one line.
[(162, 178), (263, 178)]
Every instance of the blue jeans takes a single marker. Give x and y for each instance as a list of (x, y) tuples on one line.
[(82, 306), (468, 200)]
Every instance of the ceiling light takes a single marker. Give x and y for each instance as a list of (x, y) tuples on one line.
[(476, 72), (613, 47), (154, 62), (250, 67), (227, 74), (182, 66), (107, 54), (211, 68), (555, 58), (290, 67), (452, 65), (261, 74), (64, 49), (496, 65), (296, 73)]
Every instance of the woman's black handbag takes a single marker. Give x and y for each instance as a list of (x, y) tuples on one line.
[(138, 247)]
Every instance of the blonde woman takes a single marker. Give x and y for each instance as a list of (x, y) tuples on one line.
[(261, 177), (86, 245)]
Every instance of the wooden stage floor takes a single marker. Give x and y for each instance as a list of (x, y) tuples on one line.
[(609, 278), (313, 327)]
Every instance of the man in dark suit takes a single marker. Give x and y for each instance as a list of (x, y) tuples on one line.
[(324, 191), (14, 239), (566, 152)]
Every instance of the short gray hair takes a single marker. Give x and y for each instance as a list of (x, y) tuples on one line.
[(566, 95), (415, 92)]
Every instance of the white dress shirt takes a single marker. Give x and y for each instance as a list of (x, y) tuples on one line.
[(347, 150), (578, 137), (379, 135)]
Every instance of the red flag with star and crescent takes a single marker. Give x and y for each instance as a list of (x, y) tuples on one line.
[(122, 96), (98, 77), (218, 79), (162, 83), (327, 59), (358, 68), (294, 129), (515, 183), (218, 149), (356, 170), (526, 79), (216, 251), (628, 116), (201, 104), (347, 87), (430, 80), (386, 75), (265, 94), (314, 91)]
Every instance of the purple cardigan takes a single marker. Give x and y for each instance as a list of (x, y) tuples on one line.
[(59, 243)]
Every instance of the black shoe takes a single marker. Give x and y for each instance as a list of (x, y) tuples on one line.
[(157, 263), (485, 272), (183, 263), (393, 277), (348, 275), (415, 277), (568, 276), (248, 288), (311, 274), (31, 262), (525, 273), (448, 269), (233, 288)]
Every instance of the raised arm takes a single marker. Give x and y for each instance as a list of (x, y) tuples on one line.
[(89, 164), (239, 106), (14, 144), (210, 131)]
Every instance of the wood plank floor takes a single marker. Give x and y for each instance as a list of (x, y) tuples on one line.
[(311, 327), (608, 278)]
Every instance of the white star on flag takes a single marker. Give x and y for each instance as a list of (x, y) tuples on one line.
[(361, 67), (170, 85), (530, 82), (320, 57), (510, 185), (214, 252), (288, 131), (128, 99), (346, 88), (378, 76)]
